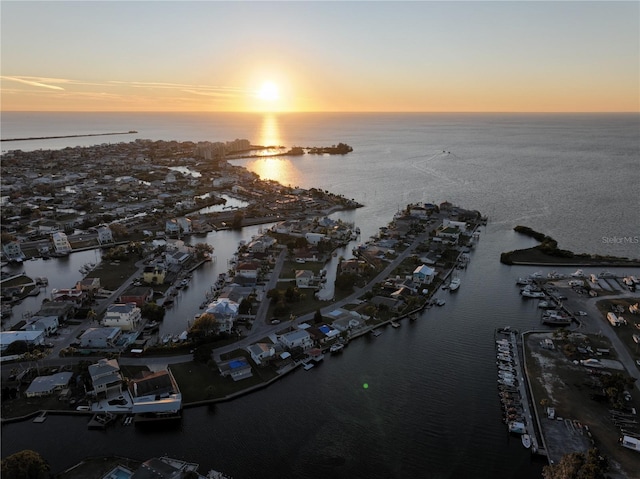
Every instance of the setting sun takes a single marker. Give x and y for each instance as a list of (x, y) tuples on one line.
[(269, 92)]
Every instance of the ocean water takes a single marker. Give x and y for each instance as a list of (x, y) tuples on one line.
[(431, 408)]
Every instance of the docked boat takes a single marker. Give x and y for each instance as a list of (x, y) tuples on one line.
[(376, 332), (307, 366), (455, 284), (440, 302), (395, 324), (336, 348), (578, 274), (526, 440), (528, 293)]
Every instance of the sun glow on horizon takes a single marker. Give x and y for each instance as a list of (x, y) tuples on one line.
[(269, 92)]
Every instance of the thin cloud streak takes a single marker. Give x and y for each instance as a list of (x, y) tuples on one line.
[(37, 83)]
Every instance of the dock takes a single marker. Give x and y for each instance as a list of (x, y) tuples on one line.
[(514, 392)]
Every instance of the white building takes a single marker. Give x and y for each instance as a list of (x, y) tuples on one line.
[(296, 339), (13, 252), (127, 317), (423, 274), (156, 393), (225, 311), (61, 243), (105, 236), (32, 338), (261, 351)]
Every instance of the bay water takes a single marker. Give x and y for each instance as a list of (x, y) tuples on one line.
[(430, 408)]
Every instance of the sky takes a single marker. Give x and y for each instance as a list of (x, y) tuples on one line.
[(393, 56)]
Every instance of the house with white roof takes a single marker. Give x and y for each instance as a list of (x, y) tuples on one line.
[(100, 338), (61, 243), (105, 236), (304, 277), (127, 316), (48, 324), (296, 339), (225, 311), (13, 252)]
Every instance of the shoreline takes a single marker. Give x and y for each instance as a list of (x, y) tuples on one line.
[(130, 132)]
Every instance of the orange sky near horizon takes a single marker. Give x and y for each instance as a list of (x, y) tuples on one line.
[(376, 57)]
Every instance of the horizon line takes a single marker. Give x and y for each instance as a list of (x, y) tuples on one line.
[(327, 111)]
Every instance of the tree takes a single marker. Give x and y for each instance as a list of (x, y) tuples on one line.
[(238, 217), (578, 465), (26, 464), (205, 325), (153, 312), (317, 317), (202, 250), (245, 306)]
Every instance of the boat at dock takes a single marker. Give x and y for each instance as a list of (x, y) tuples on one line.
[(394, 324), (455, 284), (526, 440), (440, 302), (376, 332), (336, 348)]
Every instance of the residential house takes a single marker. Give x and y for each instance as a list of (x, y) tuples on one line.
[(237, 368), (31, 338), (154, 274), (296, 339), (460, 225), (63, 310), (314, 238), (448, 234), (304, 277), (140, 295), (106, 377), (248, 269), (74, 296), (47, 385), (261, 244), (423, 274), (261, 351), (177, 258), (100, 338), (353, 266), (156, 393), (172, 227), (13, 252), (127, 317), (225, 311), (345, 320), (61, 244), (88, 285), (185, 225), (48, 324), (105, 235)]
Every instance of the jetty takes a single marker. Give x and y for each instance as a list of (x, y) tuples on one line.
[(130, 132)]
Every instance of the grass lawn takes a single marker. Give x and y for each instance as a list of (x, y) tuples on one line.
[(113, 274), (199, 381)]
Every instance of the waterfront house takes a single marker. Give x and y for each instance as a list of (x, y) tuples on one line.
[(88, 285), (63, 310), (423, 274), (460, 225), (106, 377), (156, 393), (105, 236), (12, 252), (314, 238), (140, 295), (72, 295), (353, 266), (127, 317), (47, 385), (296, 339), (225, 311), (31, 338), (236, 368), (48, 324), (61, 244), (154, 274), (248, 269), (261, 351), (100, 338), (262, 244), (172, 227), (448, 233)]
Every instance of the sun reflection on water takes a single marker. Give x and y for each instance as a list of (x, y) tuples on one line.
[(276, 168)]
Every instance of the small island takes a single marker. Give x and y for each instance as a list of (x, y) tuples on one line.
[(548, 253)]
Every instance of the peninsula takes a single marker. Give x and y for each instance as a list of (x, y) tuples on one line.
[(547, 253)]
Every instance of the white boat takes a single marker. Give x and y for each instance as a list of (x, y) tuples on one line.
[(307, 366), (526, 440), (440, 302), (376, 332), (527, 293), (523, 281), (336, 348), (578, 274), (455, 284), (395, 324)]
